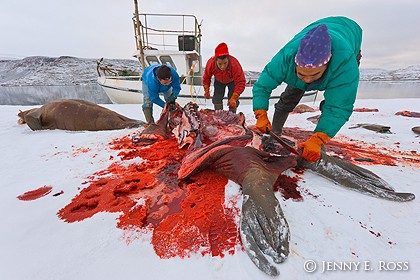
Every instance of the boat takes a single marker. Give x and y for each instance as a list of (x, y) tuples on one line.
[(175, 40)]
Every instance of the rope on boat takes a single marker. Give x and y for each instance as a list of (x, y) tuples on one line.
[(191, 70)]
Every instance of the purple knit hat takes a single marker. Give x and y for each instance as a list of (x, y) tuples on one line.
[(315, 48)]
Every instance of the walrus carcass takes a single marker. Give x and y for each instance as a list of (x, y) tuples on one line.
[(75, 115)]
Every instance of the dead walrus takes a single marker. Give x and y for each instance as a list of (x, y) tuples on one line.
[(218, 140), (75, 115), (221, 141)]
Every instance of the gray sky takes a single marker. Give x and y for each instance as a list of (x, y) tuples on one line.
[(253, 30)]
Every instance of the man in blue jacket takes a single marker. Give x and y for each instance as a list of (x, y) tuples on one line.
[(157, 79)]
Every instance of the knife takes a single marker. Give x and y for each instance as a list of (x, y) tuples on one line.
[(284, 143)]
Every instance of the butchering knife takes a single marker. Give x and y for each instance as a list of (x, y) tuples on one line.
[(284, 143)]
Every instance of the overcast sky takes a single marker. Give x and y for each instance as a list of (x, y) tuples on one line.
[(253, 30)]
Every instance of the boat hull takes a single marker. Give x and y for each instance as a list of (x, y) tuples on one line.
[(128, 90)]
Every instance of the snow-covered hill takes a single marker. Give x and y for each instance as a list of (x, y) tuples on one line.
[(376, 74), (63, 70), (66, 70)]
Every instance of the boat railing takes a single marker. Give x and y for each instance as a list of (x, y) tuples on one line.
[(118, 72), (184, 35), (105, 68)]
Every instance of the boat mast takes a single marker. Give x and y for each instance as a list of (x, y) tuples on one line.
[(138, 37)]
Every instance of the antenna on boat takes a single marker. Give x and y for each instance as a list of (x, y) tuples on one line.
[(138, 37)]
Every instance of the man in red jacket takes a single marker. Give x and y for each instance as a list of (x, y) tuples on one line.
[(227, 72)]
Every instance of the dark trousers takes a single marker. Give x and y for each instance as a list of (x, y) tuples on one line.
[(359, 57), (219, 93), (289, 99)]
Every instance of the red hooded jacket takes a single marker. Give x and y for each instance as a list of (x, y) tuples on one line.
[(233, 72)]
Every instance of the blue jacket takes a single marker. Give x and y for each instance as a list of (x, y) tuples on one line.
[(154, 87)]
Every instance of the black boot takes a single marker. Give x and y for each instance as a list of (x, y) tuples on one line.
[(148, 114), (218, 106), (279, 119), (270, 144)]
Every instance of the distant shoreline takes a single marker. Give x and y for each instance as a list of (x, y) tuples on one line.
[(71, 71), (38, 95), (95, 83)]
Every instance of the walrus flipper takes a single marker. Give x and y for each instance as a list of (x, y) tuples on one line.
[(33, 120), (354, 177), (264, 229)]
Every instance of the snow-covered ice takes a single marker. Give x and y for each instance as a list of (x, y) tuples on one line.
[(332, 225)]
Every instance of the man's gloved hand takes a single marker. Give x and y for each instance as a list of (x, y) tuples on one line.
[(263, 124), (312, 147), (232, 101), (171, 101), (171, 98), (206, 91), (172, 107)]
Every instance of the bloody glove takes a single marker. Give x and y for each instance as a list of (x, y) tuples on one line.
[(206, 91), (263, 124), (232, 101), (312, 147)]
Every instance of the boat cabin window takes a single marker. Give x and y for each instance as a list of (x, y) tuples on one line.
[(151, 59), (166, 59)]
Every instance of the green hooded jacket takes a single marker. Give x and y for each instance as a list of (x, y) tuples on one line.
[(339, 82)]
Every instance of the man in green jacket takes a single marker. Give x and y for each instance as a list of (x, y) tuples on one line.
[(323, 56)]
